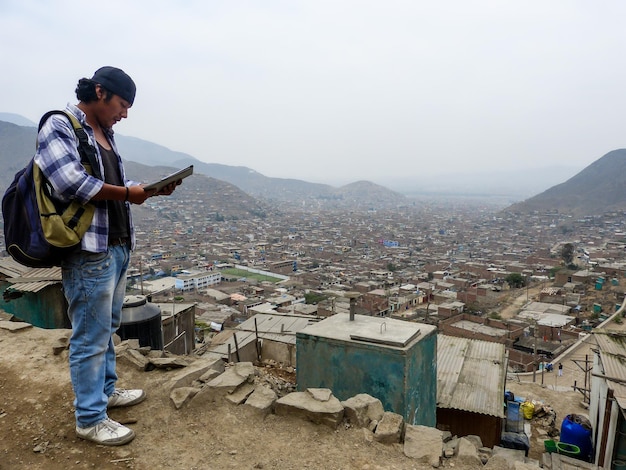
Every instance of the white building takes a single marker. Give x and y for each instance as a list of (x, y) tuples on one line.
[(200, 280)]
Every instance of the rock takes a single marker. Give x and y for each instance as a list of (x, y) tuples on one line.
[(476, 440), (14, 325), (41, 447), (198, 368), (225, 383), (238, 396), (262, 400), (4, 316), (233, 377), (147, 350), (486, 450), (180, 396), (122, 346), (168, 362), (133, 343), (467, 453), (423, 444), (390, 428), (450, 447), (304, 405), (61, 344), (135, 359), (509, 455), (498, 462), (208, 376), (320, 394), (362, 409)]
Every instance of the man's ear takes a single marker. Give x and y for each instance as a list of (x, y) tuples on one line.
[(99, 92)]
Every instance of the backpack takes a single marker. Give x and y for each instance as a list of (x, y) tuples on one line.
[(39, 231)]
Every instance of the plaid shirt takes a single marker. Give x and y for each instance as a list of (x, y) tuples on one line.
[(57, 156)]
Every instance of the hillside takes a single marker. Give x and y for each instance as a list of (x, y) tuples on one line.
[(37, 420), (597, 189)]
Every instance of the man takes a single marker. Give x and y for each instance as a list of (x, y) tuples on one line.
[(94, 277)]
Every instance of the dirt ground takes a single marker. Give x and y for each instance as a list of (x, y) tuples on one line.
[(37, 424)]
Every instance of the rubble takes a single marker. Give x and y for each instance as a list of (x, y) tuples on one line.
[(208, 379)]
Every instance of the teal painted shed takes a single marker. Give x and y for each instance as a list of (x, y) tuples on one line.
[(392, 360), (46, 308), (33, 295)]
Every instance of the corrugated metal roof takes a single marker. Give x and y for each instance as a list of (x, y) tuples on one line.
[(24, 279), (243, 339), (612, 349), (612, 342), (470, 375), (281, 328), (11, 268)]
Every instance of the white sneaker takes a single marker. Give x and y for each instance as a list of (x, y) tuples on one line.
[(107, 432), (123, 397)]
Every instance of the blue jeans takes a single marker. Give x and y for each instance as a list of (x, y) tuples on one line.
[(94, 285)]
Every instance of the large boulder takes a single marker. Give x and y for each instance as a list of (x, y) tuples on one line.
[(316, 405)]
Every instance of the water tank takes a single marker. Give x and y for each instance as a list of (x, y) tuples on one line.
[(141, 320), (576, 430), (392, 360)]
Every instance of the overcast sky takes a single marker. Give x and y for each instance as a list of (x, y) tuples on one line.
[(338, 90)]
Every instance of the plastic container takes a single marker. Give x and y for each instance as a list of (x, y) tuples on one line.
[(570, 450), (141, 320), (550, 446), (514, 417), (576, 430)]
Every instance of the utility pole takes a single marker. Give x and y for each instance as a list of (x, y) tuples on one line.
[(535, 353), (141, 273)]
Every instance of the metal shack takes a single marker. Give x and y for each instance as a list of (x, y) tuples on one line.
[(33, 295), (392, 360), (471, 376)]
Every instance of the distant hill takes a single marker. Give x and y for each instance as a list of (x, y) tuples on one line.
[(17, 145), (17, 119), (212, 195), (597, 189)]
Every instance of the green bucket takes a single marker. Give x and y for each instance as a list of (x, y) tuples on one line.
[(550, 446)]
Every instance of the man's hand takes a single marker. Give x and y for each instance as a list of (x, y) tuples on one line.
[(169, 189), (137, 195)]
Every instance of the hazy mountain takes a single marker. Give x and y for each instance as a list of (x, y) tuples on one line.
[(212, 195), (17, 146), (516, 184), (596, 189), (17, 119)]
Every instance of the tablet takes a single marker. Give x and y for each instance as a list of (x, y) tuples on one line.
[(179, 175)]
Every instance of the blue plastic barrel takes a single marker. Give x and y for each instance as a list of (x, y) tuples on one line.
[(575, 430)]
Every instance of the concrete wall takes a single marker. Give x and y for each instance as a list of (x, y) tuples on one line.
[(284, 353)]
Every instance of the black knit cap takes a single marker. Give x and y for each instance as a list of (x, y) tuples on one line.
[(116, 81)]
